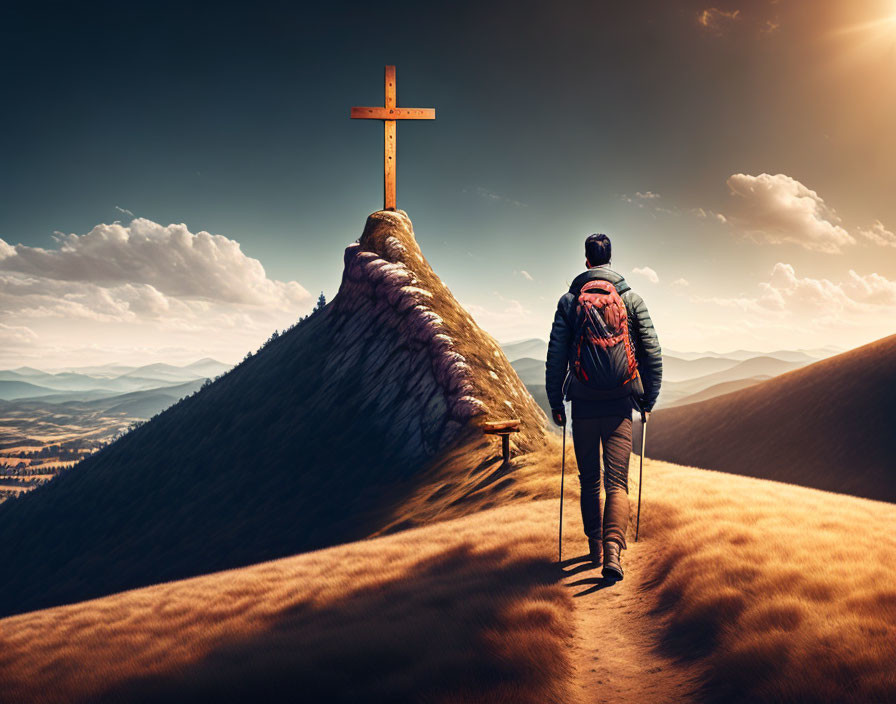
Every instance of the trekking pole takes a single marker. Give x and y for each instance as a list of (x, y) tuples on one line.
[(641, 470), (562, 474)]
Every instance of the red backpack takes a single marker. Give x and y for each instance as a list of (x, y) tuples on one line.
[(604, 358)]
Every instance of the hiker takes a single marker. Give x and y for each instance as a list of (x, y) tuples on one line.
[(612, 368)]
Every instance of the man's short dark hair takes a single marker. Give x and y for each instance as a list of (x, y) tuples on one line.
[(597, 249)]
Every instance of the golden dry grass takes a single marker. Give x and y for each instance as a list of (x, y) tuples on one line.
[(466, 611), (781, 593), (739, 590)]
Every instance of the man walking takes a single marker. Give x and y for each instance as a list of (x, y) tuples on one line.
[(603, 336)]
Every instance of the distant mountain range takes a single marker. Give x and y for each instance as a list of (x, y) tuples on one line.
[(750, 371), (67, 414), (687, 376), (533, 348), (801, 355), (60, 418), (91, 383), (537, 348)]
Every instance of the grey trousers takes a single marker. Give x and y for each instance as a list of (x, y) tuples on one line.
[(614, 435)]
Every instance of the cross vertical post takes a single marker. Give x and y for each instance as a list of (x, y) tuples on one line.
[(389, 175), (389, 113)]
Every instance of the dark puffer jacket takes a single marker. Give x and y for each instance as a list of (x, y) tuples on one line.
[(641, 331)]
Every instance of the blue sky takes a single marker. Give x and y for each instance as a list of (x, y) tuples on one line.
[(739, 155)]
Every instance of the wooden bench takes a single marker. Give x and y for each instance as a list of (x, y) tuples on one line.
[(503, 428)]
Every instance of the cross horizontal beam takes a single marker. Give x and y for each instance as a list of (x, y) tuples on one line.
[(394, 113), (389, 113)]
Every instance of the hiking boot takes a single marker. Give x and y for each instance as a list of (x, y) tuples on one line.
[(612, 567), (595, 551)]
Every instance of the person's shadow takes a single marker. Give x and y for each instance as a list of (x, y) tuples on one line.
[(582, 563)]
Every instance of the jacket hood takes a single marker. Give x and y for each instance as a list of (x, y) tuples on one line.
[(602, 273)]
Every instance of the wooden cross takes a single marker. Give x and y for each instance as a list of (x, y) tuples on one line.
[(389, 114)]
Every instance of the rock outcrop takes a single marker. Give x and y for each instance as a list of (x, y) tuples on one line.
[(326, 435), (398, 321)]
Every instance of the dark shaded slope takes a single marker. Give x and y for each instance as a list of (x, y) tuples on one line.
[(315, 440), (828, 426)]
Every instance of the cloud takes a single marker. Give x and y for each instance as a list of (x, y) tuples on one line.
[(506, 319), (717, 21), (160, 285), (780, 209), (878, 234), (703, 214), (124, 211), (170, 259), (682, 283), (649, 201), (11, 334), (640, 197), (770, 27), (488, 195), (6, 250), (872, 289), (647, 273), (785, 294), (526, 275)]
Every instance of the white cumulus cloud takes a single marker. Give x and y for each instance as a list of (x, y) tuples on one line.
[(780, 209), (878, 234), (143, 280), (171, 259), (787, 293), (647, 273)]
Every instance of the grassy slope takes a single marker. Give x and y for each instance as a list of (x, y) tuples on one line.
[(828, 425), (739, 590)]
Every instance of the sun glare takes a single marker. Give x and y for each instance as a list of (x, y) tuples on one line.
[(869, 42), (879, 26)]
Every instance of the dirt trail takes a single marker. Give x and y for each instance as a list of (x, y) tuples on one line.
[(613, 652), (614, 648)]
